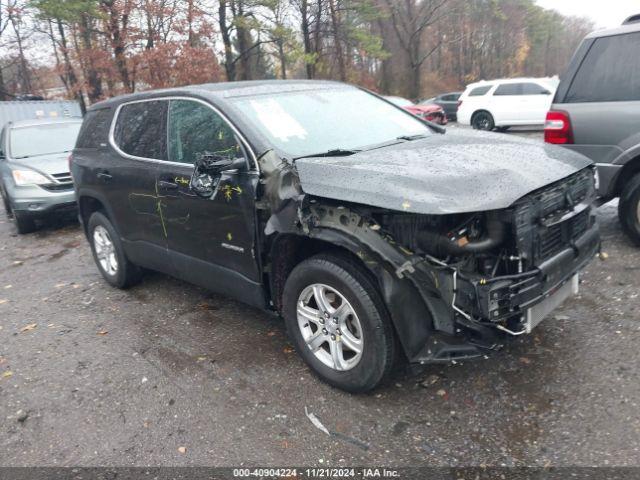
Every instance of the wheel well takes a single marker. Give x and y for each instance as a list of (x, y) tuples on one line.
[(630, 169), (87, 206), (289, 250)]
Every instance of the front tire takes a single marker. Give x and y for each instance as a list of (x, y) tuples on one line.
[(482, 121), (5, 202), (108, 253), (629, 209), (338, 322), (24, 224)]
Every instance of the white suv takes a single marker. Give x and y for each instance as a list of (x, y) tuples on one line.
[(501, 104)]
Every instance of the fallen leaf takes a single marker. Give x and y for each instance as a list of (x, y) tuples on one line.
[(29, 327), (441, 392), (60, 285), (8, 287), (524, 360), (270, 334), (202, 358), (182, 449), (7, 374), (3, 300), (18, 262), (288, 350), (430, 380), (103, 332)]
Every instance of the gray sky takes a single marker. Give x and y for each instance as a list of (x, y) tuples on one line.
[(605, 13)]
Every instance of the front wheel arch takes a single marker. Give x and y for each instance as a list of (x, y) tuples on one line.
[(411, 317)]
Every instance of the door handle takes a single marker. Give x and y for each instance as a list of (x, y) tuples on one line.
[(104, 175), (167, 185)]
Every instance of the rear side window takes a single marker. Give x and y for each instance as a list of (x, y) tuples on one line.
[(195, 129), (141, 129), (508, 89), (95, 129), (610, 72), (534, 89), (479, 91)]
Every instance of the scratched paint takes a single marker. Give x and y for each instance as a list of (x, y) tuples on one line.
[(147, 204)]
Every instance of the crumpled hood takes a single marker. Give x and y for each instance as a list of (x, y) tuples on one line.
[(462, 171)]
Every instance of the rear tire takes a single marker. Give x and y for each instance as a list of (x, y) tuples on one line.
[(360, 331), (482, 120), (629, 209), (108, 253)]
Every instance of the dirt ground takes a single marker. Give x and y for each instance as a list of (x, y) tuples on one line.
[(169, 374)]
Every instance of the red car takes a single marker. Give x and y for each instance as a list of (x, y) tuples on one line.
[(431, 112)]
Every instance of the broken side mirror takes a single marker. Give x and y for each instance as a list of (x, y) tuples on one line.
[(207, 170)]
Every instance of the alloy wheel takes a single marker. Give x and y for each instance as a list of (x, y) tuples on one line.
[(482, 122), (330, 327), (105, 250)]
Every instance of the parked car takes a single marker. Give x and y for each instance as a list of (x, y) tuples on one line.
[(596, 112), (34, 171), (26, 109), (447, 101), (373, 234), (505, 103), (432, 113)]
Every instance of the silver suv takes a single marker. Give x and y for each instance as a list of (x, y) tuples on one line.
[(34, 169), (596, 112)]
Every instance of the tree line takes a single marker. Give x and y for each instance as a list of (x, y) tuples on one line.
[(94, 49)]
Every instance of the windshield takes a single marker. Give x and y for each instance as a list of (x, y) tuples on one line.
[(42, 139), (308, 122)]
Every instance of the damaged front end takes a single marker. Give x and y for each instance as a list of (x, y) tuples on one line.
[(454, 284)]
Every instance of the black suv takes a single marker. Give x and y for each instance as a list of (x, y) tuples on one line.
[(375, 236)]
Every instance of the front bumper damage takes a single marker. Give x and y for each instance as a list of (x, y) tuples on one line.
[(440, 312), (466, 315)]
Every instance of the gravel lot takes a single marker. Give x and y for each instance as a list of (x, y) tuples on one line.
[(169, 374)]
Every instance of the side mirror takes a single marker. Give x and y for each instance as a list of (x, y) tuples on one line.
[(213, 163), (207, 168)]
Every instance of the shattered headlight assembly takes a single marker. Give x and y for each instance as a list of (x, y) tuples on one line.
[(29, 177)]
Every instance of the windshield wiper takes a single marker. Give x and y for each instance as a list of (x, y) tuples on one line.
[(336, 152)]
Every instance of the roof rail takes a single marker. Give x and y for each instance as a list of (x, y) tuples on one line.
[(632, 19)]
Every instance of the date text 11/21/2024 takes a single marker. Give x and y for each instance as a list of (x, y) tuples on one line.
[(316, 472)]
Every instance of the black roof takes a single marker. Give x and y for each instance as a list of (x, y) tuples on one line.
[(222, 90)]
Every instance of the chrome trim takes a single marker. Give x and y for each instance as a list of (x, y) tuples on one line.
[(113, 143)]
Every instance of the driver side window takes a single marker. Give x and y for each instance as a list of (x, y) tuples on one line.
[(196, 129)]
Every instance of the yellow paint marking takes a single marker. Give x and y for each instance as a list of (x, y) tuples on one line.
[(228, 190)]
